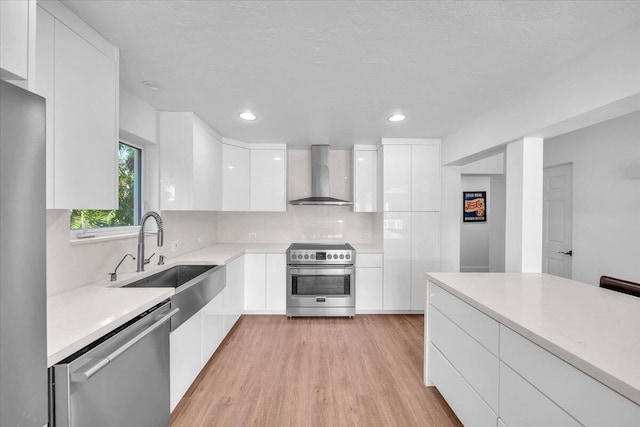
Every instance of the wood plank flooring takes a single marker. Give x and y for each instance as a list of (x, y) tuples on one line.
[(274, 371)]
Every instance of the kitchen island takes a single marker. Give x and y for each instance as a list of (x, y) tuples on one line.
[(522, 349)]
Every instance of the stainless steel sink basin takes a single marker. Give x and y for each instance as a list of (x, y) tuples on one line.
[(195, 286), (172, 277)]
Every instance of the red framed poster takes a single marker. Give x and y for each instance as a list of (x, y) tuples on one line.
[(474, 206)]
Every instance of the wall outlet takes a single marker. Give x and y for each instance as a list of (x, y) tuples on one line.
[(200, 239), (366, 235), (252, 235), (174, 245)]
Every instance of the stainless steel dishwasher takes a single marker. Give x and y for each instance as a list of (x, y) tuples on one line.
[(120, 380)]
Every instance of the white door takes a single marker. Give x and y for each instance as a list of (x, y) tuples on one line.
[(558, 224)]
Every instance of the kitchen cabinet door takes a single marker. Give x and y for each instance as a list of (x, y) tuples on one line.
[(185, 344), (276, 278), (255, 282), (233, 293), (368, 289), (207, 186), (425, 253), (365, 179), (236, 178), (425, 178), (85, 124), (212, 327), (397, 261), (175, 132), (268, 180), (397, 178), (14, 38)]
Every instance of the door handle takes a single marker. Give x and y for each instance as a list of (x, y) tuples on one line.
[(95, 365), (569, 252)]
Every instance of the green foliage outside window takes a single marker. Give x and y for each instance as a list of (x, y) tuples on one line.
[(128, 212)]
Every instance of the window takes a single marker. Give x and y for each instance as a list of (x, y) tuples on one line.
[(129, 195)]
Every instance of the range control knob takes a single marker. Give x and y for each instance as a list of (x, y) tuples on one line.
[(348, 256), (306, 256), (313, 256), (341, 256), (329, 256)]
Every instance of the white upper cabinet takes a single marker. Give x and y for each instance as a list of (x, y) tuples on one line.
[(77, 72), (189, 163), (269, 179), (254, 176), (236, 176), (365, 178), (17, 39), (425, 178), (411, 175), (397, 178)]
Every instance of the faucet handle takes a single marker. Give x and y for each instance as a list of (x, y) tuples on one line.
[(148, 260)]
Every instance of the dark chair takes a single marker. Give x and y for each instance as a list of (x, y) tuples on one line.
[(620, 285)]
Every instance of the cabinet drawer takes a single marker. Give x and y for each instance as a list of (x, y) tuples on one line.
[(481, 327), (587, 400), (369, 260), (464, 401), (475, 363), (522, 405)]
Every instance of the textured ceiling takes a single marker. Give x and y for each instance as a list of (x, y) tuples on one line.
[(333, 71)]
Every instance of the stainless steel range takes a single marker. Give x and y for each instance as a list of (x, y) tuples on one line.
[(321, 280)]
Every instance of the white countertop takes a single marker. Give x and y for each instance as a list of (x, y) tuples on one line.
[(593, 329), (78, 317)]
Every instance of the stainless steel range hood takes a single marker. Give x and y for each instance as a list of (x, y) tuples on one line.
[(320, 180)]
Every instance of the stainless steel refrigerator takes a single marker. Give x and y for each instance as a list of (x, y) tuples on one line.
[(23, 330)]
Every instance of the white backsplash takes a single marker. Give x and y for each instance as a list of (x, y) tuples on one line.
[(299, 224), (72, 265)]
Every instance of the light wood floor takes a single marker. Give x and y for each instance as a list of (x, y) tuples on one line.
[(274, 371)]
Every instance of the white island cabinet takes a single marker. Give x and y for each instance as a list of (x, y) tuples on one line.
[(77, 73), (514, 349)]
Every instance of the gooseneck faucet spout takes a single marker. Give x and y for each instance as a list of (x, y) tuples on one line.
[(141, 261)]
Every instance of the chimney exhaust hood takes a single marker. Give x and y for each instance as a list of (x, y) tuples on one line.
[(320, 180)]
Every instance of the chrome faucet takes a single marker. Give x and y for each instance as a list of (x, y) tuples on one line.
[(141, 261), (114, 275)]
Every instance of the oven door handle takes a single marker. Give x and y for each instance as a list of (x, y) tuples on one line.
[(321, 271), (95, 365)]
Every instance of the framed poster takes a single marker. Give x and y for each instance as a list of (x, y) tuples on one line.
[(474, 206)]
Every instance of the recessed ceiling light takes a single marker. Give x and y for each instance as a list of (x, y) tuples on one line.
[(154, 86), (277, 158), (397, 117), (247, 115)]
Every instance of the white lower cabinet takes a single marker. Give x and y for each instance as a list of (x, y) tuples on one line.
[(185, 345), (465, 402), (265, 288), (212, 327), (521, 404), (233, 294), (276, 283), (369, 282)]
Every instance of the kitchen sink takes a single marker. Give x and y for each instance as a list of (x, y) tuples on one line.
[(195, 286), (172, 277)]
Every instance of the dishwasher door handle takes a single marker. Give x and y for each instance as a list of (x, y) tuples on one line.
[(92, 367)]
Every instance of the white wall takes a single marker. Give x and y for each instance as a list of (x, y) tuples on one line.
[(474, 236), (496, 211), (70, 265), (606, 204)]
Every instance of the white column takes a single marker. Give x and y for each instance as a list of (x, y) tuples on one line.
[(523, 240), (451, 218)]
